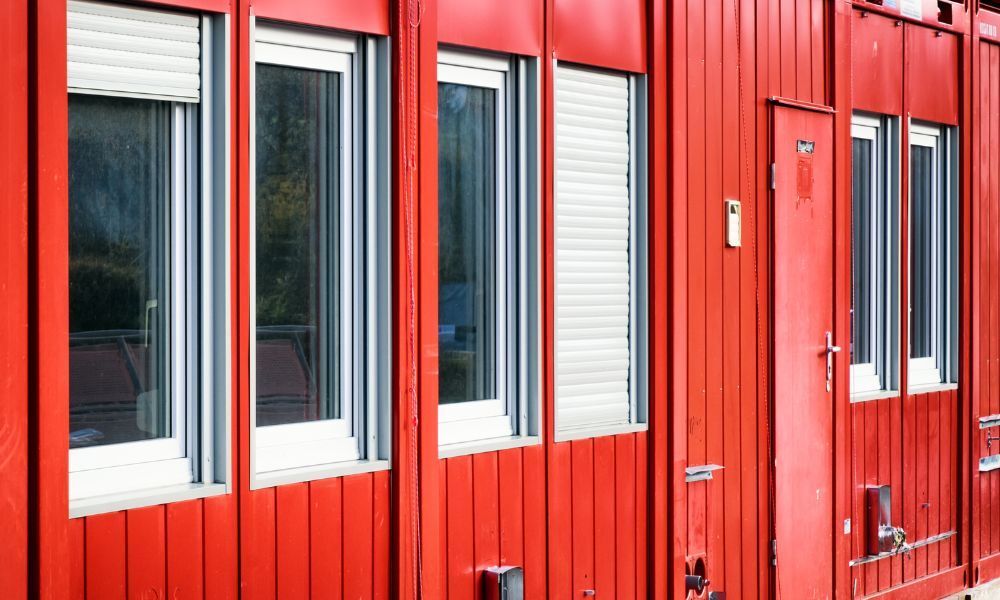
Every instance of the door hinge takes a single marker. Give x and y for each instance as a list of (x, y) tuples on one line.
[(774, 553), (774, 176)]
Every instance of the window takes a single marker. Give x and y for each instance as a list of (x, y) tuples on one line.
[(933, 256), (147, 317), (486, 240), (320, 274), (874, 256), (600, 250)]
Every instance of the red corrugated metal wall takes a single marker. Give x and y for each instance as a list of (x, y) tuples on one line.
[(720, 102), (910, 442), (14, 300), (612, 514), (985, 526)]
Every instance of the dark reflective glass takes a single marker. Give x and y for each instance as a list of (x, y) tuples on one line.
[(298, 218), (467, 242), (862, 250), (922, 248), (119, 265)]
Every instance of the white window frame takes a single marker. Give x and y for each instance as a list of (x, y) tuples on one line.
[(509, 419), (638, 342), (881, 375), (358, 440), (941, 367), (193, 461)]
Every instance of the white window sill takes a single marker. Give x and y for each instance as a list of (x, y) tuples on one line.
[(932, 387), (312, 473), (870, 396), (493, 445), (592, 432), (96, 505)]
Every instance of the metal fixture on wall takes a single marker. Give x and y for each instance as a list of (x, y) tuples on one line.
[(504, 583), (882, 535)]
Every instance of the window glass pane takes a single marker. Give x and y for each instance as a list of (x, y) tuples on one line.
[(862, 254), (119, 265), (298, 219), (467, 241), (924, 264)]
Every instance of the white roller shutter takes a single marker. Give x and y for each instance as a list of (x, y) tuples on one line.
[(591, 249), (137, 52)]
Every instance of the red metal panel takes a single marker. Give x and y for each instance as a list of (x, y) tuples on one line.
[(486, 514), (803, 284), (78, 562), (697, 354), (48, 235), (625, 516), (221, 550), (601, 33), (258, 569), (511, 508), (561, 522), (184, 544), (14, 299), (932, 75), (934, 460), (358, 536), (292, 534), (605, 492), (460, 547), (514, 26), (535, 539), (105, 556), (715, 417), (642, 564), (326, 538), (582, 457), (370, 16), (876, 63), (382, 532), (214, 6), (146, 548)]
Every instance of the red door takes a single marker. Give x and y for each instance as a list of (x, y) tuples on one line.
[(803, 316)]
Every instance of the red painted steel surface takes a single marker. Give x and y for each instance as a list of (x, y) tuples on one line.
[(368, 16), (514, 26), (601, 33), (611, 514), (876, 61), (931, 75), (803, 318), (986, 181), (14, 302)]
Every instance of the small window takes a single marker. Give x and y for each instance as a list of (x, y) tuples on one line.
[(874, 256), (933, 256), (147, 322), (318, 250), (600, 250), (485, 248)]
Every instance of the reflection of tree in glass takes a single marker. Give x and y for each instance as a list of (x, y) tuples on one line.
[(287, 190), (466, 241), (118, 202)]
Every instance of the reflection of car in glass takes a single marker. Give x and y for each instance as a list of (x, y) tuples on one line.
[(286, 386), (456, 326), (108, 375), (112, 403)]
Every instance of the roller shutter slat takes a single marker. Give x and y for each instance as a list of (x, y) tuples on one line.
[(135, 52), (592, 271)]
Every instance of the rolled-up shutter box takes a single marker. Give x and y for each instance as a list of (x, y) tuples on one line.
[(136, 52), (592, 269)]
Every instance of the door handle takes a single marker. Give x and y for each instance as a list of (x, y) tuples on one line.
[(830, 351)]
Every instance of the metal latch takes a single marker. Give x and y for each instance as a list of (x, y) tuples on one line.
[(830, 350), (700, 473)]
